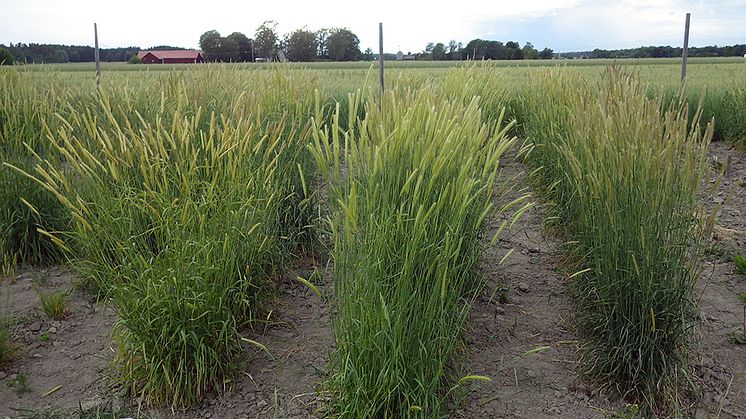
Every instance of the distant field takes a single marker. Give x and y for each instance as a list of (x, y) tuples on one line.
[(340, 78), (123, 66)]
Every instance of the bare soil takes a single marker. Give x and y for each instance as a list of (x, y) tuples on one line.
[(720, 363), (520, 335), (67, 359), (520, 331)]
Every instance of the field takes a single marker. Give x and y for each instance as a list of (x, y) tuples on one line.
[(559, 238)]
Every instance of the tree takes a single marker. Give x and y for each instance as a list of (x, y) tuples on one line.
[(367, 55), (265, 40), (134, 59), (243, 52), (546, 54), (429, 48), (209, 43), (302, 45), (474, 50), (439, 52), (495, 50), (229, 50), (453, 49), (529, 52), (343, 45), (6, 58)]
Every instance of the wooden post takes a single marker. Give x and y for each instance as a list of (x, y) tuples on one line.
[(685, 53), (380, 53), (98, 61)]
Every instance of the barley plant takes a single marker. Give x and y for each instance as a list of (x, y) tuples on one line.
[(622, 171), (410, 185), (184, 207), (26, 105)]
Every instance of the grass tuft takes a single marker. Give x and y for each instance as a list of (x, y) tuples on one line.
[(739, 264), (54, 303)]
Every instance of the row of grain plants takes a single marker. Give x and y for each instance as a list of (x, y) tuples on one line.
[(622, 171), (25, 108), (186, 197), (410, 186)]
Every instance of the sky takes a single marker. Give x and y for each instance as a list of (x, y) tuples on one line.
[(563, 25)]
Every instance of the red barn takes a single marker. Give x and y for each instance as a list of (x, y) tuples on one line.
[(186, 56)]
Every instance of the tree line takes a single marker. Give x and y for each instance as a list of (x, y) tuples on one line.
[(738, 50), (328, 44), (337, 44), (54, 53), (341, 44), (481, 49)]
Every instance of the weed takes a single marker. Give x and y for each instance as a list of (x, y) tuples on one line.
[(7, 350), (503, 296), (739, 263), (20, 384), (54, 303), (44, 337), (740, 337)]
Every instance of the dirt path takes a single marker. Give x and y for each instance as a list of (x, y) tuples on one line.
[(522, 337), (526, 345), (719, 363)]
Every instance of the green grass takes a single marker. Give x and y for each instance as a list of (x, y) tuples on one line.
[(739, 264), (325, 65), (54, 303), (184, 207), (407, 232), (623, 179), (24, 206)]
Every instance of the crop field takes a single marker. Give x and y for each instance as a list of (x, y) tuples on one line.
[(478, 240)]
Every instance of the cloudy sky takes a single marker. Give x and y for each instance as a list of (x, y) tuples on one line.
[(564, 25)]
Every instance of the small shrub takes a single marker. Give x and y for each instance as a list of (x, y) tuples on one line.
[(134, 60), (54, 304)]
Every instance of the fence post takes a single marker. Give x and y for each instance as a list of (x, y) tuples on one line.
[(380, 53), (98, 61), (685, 53)]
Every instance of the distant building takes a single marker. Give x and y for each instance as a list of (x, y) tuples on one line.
[(186, 56), (409, 57)]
